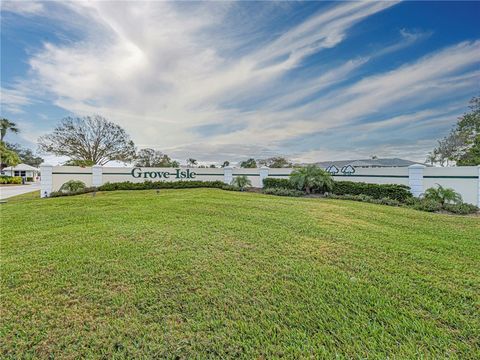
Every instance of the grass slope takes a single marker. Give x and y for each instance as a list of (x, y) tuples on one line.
[(207, 273)]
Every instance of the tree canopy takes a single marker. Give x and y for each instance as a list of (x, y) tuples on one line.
[(8, 157), (275, 162), (154, 158), (89, 138), (462, 145), (250, 163), (26, 156)]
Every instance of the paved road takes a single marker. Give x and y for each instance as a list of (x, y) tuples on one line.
[(9, 191)]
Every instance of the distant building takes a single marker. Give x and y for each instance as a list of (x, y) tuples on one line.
[(25, 171), (369, 163)]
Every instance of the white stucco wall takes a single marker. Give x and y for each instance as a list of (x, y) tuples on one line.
[(464, 180)]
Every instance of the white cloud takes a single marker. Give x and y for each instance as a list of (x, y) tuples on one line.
[(165, 70), (25, 8), (13, 100)]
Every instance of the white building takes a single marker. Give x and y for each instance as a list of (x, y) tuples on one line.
[(28, 172)]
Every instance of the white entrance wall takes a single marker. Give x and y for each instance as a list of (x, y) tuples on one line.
[(463, 179)]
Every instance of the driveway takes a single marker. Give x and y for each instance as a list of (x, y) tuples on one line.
[(9, 191)]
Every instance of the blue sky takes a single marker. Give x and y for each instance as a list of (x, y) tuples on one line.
[(218, 81)]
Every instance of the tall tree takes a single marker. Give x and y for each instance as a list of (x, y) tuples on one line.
[(90, 138), (462, 145), (8, 157), (154, 158), (226, 163), (275, 162), (7, 125), (26, 155), (250, 163)]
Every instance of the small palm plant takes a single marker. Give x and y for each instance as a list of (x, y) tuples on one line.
[(241, 182), (311, 178), (443, 195), (72, 186)]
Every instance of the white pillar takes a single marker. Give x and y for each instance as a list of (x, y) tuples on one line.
[(478, 200), (263, 174), (97, 172), (46, 180), (415, 179), (227, 174)]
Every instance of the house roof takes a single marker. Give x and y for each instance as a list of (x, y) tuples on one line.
[(386, 162), (22, 167)]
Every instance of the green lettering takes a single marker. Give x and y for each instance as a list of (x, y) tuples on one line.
[(136, 172)]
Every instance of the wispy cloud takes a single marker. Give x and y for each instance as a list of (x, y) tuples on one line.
[(182, 78), (13, 100), (26, 8)]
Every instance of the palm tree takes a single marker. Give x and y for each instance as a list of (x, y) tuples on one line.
[(8, 157), (7, 125), (443, 195), (241, 182), (192, 162), (311, 178)]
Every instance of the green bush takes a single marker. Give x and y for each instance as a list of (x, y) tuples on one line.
[(427, 205), (72, 186), (71, 193), (10, 179), (283, 192), (127, 185), (387, 201), (461, 209), (241, 182), (377, 191), (271, 183), (362, 198)]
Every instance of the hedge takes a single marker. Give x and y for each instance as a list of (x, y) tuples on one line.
[(377, 191), (127, 185), (10, 179), (273, 183), (283, 192)]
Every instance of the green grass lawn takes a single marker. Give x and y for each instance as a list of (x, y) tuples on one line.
[(208, 273)]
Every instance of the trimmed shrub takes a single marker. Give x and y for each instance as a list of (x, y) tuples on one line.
[(362, 198), (461, 209), (387, 201), (427, 205), (72, 186), (230, 188), (10, 179), (272, 183), (283, 192), (147, 185), (377, 191), (85, 190)]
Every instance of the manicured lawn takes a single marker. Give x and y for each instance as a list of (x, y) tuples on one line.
[(208, 273)]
